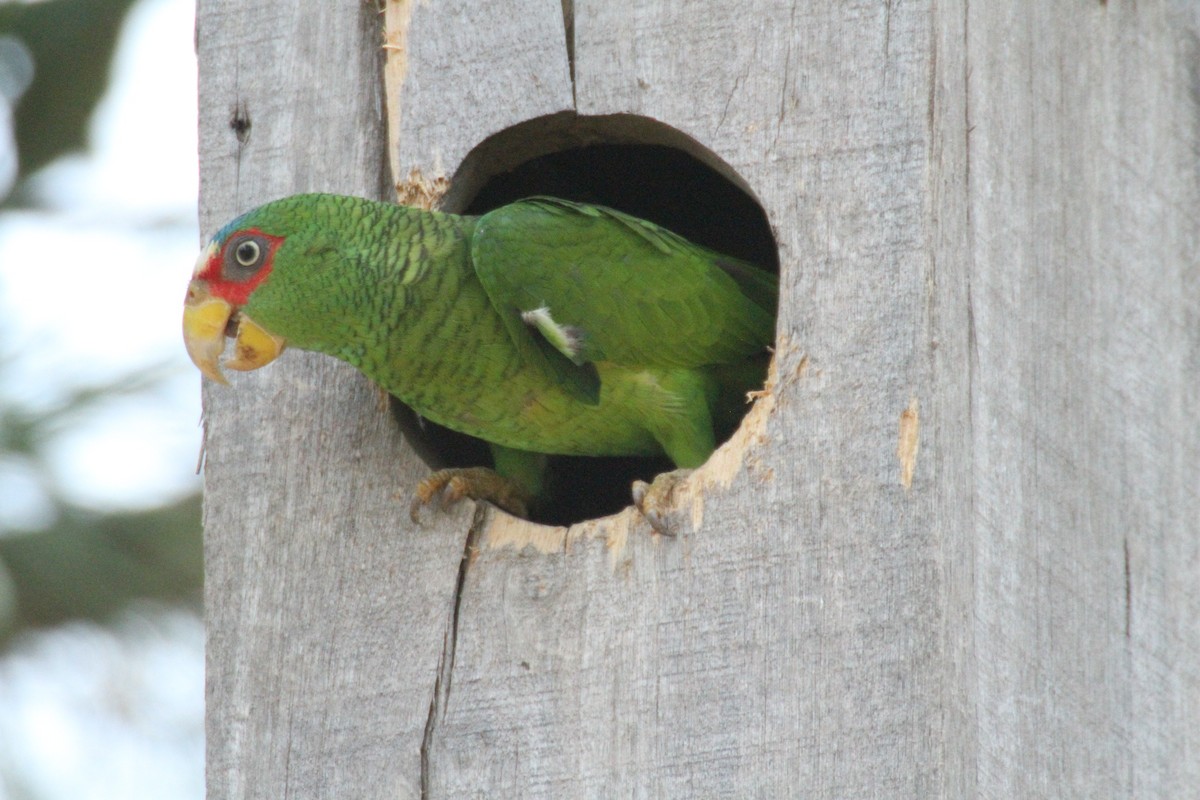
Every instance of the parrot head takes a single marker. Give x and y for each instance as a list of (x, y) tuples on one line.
[(227, 273), (263, 281)]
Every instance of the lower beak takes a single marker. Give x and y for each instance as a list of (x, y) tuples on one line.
[(206, 322)]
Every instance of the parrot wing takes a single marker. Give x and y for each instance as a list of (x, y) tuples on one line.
[(576, 284)]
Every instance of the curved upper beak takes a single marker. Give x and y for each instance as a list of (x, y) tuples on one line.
[(207, 320)]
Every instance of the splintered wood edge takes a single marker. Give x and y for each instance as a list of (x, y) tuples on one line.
[(414, 189), (503, 530), (397, 14), (421, 192), (906, 447)]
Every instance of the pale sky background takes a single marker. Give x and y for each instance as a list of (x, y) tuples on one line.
[(90, 290), (95, 288)]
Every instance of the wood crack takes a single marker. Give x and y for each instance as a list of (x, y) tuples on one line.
[(568, 10), (445, 670), (430, 719)]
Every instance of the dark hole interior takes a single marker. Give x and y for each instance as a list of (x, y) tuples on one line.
[(659, 183)]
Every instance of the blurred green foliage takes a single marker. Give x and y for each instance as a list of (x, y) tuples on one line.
[(84, 565), (88, 565), (91, 566), (72, 43)]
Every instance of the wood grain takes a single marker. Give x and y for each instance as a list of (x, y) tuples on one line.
[(1085, 299), (472, 70)]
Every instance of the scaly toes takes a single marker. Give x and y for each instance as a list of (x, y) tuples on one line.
[(478, 483)]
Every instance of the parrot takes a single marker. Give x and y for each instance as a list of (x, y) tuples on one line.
[(542, 327)]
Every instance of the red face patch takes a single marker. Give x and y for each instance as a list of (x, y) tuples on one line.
[(240, 265)]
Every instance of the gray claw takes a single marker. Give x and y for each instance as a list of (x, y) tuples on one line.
[(653, 500)]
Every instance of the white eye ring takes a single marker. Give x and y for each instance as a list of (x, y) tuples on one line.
[(247, 253)]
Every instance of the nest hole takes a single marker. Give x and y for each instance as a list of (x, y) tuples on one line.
[(638, 166)]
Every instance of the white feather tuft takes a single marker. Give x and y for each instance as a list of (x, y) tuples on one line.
[(565, 338)]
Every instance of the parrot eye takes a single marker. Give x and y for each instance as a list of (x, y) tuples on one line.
[(244, 257), (246, 253)]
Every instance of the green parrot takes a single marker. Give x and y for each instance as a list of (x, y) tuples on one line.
[(543, 327)]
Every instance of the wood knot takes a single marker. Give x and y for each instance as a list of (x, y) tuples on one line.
[(239, 122)]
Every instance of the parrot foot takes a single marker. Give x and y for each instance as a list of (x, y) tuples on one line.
[(654, 499), (477, 483)]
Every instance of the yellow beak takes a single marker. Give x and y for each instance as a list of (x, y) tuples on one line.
[(206, 322)]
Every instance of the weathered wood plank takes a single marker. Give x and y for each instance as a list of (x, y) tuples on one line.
[(990, 214), (326, 610), (461, 71), (1086, 303), (795, 640)]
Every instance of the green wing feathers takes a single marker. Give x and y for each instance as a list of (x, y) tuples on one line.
[(591, 284)]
